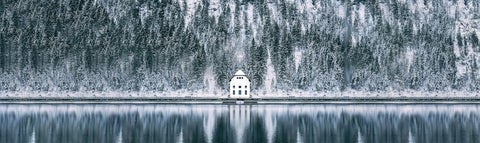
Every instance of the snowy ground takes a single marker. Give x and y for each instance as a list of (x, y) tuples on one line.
[(360, 94), (223, 94)]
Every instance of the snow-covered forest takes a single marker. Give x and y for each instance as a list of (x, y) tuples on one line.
[(196, 45)]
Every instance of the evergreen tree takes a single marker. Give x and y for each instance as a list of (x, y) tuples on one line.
[(257, 64)]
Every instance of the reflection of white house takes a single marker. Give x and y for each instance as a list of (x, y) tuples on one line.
[(239, 85)]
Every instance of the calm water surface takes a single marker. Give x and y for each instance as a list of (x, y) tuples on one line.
[(118, 123)]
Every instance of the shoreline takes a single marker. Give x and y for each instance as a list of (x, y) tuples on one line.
[(264, 100)]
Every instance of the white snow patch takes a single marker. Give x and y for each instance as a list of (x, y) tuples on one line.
[(190, 11), (460, 4), (354, 41), (290, 1), (215, 9), (251, 19), (297, 58), (411, 6), (452, 11), (387, 16), (415, 29), (241, 21), (180, 4), (305, 7), (270, 77), (361, 13), (240, 54), (341, 11), (232, 6), (353, 15), (276, 15), (144, 13), (303, 29), (209, 80), (421, 5), (240, 40), (115, 10), (409, 54)]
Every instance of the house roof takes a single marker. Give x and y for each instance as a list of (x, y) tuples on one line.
[(239, 73)]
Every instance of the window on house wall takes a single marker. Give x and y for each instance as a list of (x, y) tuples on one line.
[(239, 86), (233, 92), (239, 92), (234, 86), (245, 86), (246, 92)]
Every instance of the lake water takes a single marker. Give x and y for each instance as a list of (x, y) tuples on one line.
[(309, 123)]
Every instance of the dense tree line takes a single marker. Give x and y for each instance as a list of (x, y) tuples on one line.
[(165, 45)]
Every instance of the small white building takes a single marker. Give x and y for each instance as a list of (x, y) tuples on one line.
[(239, 85)]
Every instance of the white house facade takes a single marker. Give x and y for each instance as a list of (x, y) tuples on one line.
[(239, 85)]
